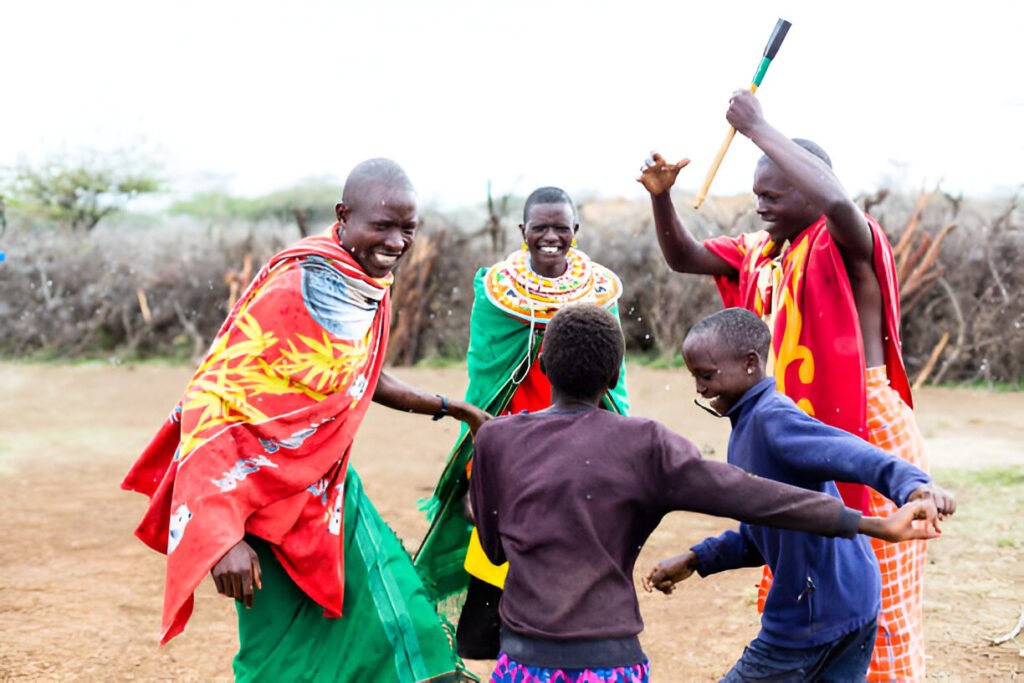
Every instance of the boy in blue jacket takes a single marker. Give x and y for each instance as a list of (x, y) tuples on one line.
[(820, 617)]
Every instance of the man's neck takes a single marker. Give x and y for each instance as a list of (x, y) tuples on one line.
[(563, 403)]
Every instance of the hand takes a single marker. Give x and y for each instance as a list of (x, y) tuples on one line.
[(468, 413), (744, 113), (237, 572), (657, 175), (666, 574), (943, 499), (918, 520)]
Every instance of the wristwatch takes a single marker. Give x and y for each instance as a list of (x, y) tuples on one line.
[(444, 408)]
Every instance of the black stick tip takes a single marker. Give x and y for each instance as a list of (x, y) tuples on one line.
[(775, 41)]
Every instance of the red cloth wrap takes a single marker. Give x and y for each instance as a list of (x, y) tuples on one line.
[(816, 340), (260, 441)]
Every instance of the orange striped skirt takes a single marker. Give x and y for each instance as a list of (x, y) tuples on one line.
[(899, 648)]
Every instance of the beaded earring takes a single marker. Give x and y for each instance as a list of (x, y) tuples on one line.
[(525, 247), (573, 244)]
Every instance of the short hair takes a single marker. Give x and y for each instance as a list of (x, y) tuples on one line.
[(378, 171), (548, 195), (812, 147), (583, 349), (736, 329)]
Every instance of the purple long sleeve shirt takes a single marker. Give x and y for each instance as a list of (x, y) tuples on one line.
[(570, 498)]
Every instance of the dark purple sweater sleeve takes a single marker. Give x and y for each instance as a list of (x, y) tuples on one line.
[(685, 481), (816, 451), (483, 496)]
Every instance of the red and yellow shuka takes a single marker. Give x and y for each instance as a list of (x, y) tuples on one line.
[(260, 441), (817, 353)]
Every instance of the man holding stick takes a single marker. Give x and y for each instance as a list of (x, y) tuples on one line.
[(822, 276)]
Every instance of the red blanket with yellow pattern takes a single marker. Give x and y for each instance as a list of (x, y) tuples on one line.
[(260, 441), (817, 349)]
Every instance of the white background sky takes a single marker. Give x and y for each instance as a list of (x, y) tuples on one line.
[(252, 97)]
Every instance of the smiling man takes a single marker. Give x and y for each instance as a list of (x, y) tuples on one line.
[(822, 275), (249, 477)]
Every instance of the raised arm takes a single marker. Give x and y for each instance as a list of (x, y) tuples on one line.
[(810, 175), (394, 393), (682, 252)]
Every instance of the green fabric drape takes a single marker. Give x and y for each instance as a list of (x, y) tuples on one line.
[(389, 631), (500, 354)]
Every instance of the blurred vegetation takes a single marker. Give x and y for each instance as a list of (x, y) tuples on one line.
[(77, 192), (307, 203), (160, 287)]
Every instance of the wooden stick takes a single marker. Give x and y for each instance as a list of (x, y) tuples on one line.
[(702, 195), (147, 315), (1012, 634), (770, 50), (932, 360)]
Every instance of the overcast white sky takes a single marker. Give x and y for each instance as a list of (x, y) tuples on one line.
[(255, 96)]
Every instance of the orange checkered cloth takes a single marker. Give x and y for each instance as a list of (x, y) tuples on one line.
[(899, 647)]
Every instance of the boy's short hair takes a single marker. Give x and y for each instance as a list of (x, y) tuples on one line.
[(738, 330), (583, 349)]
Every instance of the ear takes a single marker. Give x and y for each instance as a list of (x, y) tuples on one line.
[(341, 212), (522, 231), (614, 381), (754, 365), (575, 228)]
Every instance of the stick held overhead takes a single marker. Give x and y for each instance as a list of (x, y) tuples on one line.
[(770, 50)]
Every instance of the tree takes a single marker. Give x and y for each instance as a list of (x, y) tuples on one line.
[(78, 193)]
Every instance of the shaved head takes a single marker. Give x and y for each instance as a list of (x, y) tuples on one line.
[(811, 146), (377, 172)]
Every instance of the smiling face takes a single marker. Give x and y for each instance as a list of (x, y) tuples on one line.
[(548, 233), (721, 376), (379, 228), (779, 204)]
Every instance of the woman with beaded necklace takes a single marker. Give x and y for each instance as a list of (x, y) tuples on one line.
[(513, 301)]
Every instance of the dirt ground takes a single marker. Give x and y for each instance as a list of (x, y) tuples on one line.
[(80, 598)]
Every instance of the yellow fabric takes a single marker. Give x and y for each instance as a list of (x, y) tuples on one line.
[(479, 566)]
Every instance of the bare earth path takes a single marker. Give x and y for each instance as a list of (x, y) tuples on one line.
[(80, 597)]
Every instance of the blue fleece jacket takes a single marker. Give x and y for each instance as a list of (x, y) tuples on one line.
[(824, 587)]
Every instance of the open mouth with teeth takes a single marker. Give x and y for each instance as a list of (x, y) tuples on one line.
[(550, 251)]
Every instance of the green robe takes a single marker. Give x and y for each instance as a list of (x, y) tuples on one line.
[(500, 354), (389, 631)]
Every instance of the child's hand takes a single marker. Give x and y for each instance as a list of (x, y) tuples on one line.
[(917, 520), (666, 574), (943, 499)]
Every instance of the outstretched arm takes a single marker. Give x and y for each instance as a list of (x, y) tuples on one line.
[(917, 520), (819, 452), (682, 252), (394, 393), (810, 176)]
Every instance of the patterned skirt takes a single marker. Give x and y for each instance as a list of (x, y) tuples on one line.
[(510, 671)]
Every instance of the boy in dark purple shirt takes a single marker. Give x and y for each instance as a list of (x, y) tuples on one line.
[(569, 495), (819, 620)]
